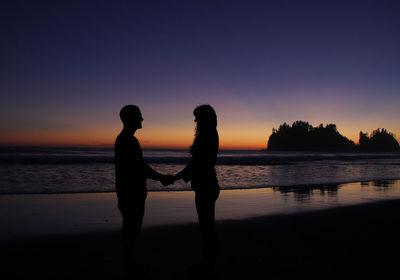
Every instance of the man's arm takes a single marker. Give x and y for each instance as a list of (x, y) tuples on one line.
[(154, 175)]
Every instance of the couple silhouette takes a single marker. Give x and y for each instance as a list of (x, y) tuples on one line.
[(132, 172)]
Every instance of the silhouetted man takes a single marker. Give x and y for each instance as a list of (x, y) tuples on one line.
[(131, 173)]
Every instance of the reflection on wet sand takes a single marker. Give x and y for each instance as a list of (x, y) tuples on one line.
[(380, 185), (305, 193)]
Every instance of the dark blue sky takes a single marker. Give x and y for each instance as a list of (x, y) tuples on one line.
[(67, 67)]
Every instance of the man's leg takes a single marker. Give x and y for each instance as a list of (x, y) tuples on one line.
[(131, 224)]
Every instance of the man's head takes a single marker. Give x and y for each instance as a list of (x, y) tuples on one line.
[(131, 117)]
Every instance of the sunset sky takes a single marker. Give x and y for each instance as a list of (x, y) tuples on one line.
[(67, 67)]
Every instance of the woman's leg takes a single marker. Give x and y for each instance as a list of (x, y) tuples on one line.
[(205, 206)]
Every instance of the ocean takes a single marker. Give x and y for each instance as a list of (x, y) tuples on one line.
[(65, 190), (91, 170)]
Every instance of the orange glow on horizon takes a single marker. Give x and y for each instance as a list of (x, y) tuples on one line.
[(171, 145), (151, 137)]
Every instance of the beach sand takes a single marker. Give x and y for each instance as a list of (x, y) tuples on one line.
[(351, 241)]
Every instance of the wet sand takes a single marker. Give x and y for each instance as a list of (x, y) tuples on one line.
[(47, 214), (351, 241)]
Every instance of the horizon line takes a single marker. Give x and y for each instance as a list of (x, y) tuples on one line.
[(111, 146)]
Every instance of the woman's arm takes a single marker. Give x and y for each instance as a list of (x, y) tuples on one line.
[(185, 173)]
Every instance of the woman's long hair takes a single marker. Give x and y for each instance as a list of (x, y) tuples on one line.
[(206, 129)]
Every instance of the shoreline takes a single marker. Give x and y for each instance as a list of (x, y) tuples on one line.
[(222, 189), (357, 240)]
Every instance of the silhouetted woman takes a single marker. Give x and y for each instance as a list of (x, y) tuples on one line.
[(201, 172)]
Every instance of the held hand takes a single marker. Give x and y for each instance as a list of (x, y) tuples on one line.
[(168, 180)]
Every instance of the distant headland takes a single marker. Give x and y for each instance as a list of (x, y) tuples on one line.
[(301, 136)]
